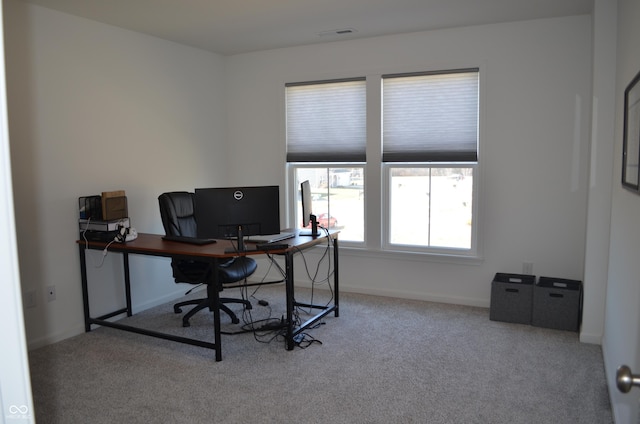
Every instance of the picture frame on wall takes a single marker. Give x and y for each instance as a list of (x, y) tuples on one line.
[(631, 136)]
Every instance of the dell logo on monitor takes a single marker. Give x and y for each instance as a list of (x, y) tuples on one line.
[(238, 195)]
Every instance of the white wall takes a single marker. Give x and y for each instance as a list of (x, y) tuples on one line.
[(94, 108), (535, 106), (621, 344)]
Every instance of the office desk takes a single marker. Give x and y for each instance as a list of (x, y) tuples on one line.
[(153, 245)]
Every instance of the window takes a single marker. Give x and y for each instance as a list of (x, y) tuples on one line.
[(430, 153), (326, 143), (426, 155)]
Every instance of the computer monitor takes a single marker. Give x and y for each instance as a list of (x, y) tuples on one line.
[(237, 212), (308, 217)]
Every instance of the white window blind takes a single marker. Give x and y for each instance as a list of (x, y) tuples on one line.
[(326, 121), (431, 117)]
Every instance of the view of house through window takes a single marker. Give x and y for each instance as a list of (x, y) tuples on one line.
[(337, 198)]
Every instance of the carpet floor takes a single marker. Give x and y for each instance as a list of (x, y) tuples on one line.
[(383, 360)]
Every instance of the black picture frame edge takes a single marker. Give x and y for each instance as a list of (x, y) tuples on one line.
[(625, 139)]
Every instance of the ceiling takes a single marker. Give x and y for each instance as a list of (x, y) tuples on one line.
[(238, 26)]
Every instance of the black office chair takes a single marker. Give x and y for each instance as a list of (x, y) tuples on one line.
[(177, 210)]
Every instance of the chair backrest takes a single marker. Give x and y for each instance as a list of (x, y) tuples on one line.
[(177, 210)]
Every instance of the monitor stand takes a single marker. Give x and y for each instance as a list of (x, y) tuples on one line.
[(241, 247), (314, 228)]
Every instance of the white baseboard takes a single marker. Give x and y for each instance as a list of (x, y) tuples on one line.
[(591, 338), (54, 338), (166, 298), (403, 294)]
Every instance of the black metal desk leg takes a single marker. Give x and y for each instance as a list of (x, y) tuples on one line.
[(127, 282), (85, 289), (336, 278), (213, 293), (288, 259)]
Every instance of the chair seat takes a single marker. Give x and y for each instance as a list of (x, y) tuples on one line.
[(195, 272), (236, 269)]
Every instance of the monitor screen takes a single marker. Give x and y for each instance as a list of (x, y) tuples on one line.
[(307, 207), (308, 217), (224, 212)]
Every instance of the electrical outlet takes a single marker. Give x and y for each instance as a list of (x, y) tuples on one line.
[(29, 299), (51, 293), (527, 268)]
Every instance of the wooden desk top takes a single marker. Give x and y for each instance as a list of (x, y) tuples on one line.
[(153, 244)]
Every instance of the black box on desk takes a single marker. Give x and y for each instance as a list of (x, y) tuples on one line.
[(557, 304), (512, 298), (102, 236)]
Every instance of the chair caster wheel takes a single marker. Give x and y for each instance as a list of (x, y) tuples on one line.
[(186, 324), (235, 320), (177, 310)]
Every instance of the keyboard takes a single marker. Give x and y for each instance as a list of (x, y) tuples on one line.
[(272, 246), (190, 240), (271, 238)]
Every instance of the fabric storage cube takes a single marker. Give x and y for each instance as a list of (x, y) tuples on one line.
[(557, 304), (512, 298)]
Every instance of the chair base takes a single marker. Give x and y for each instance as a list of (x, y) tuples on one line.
[(204, 303)]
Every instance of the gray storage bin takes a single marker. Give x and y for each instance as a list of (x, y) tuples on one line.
[(557, 304), (512, 298)]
